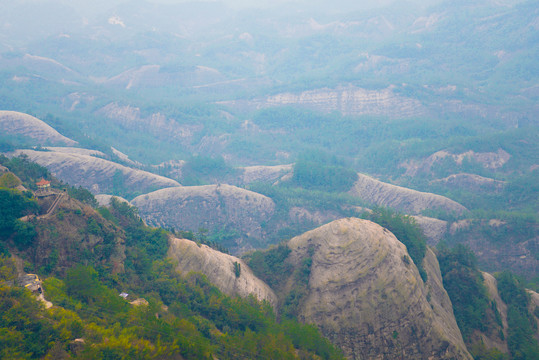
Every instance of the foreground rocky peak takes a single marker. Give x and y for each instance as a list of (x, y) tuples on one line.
[(366, 295), (230, 274)]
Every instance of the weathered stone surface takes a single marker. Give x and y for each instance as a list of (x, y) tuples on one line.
[(104, 199), (213, 207), (433, 229), (471, 182), (493, 340), (95, 174), (490, 160), (367, 296), (220, 269), (400, 198), (351, 100), (16, 123), (264, 173)]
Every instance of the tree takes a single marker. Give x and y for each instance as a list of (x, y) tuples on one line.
[(9, 180)]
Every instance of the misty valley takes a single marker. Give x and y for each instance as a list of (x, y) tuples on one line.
[(272, 180)]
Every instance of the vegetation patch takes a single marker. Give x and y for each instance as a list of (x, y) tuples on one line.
[(406, 230)]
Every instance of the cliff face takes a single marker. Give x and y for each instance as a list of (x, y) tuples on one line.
[(367, 296), (213, 207), (350, 100), (220, 270), (400, 198)]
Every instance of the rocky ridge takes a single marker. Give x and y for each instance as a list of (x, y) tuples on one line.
[(490, 160), (16, 123), (264, 173), (210, 206), (157, 124), (403, 199), (433, 229), (95, 174), (351, 100), (471, 182), (366, 295), (220, 269)]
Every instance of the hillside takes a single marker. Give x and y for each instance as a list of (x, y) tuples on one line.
[(236, 213), (96, 174), (86, 258), (230, 274), (274, 131), (355, 281), (402, 199), (23, 125)]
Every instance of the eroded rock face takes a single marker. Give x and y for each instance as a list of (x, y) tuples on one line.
[(366, 295), (400, 198), (492, 341), (350, 100), (264, 173), (471, 182), (16, 123), (105, 200), (433, 229), (95, 174), (156, 124), (220, 270), (213, 207), (490, 160)]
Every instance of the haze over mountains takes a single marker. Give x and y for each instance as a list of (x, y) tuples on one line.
[(245, 125)]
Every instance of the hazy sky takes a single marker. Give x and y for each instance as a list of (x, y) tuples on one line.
[(238, 4)]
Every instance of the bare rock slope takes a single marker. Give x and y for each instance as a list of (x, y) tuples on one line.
[(351, 100), (407, 200), (367, 296), (433, 229), (220, 269), (16, 123), (471, 182), (264, 173), (211, 206), (94, 173)]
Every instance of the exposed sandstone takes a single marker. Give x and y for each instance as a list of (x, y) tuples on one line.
[(220, 269), (367, 296), (74, 150), (318, 217), (16, 123), (264, 173), (494, 341), (433, 229), (213, 207), (95, 174), (157, 124), (471, 182), (104, 199), (490, 160), (350, 100), (403, 199)]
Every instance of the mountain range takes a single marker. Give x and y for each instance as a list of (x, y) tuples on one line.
[(370, 170)]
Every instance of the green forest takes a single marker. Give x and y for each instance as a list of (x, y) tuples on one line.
[(165, 315)]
